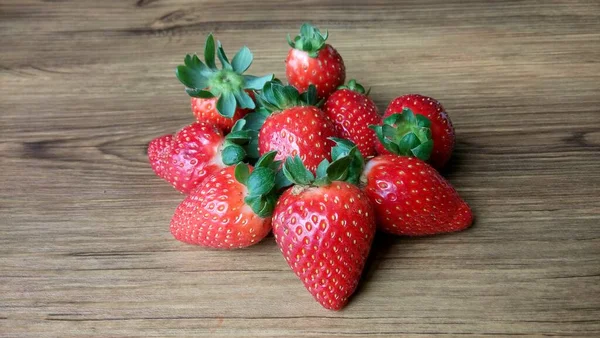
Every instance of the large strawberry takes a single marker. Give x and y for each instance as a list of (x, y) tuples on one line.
[(312, 61), (352, 111), (220, 96), (231, 209), (442, 131), (324, 227), (411, 198), (197, 150), (295, 125)]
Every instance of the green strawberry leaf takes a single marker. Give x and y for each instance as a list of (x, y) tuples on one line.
[(222, 57), (226, 104), (209, 52), (423, 151), (256, 83), (266, 160), (242, 60), (233, 154), (242, 172), (244, 100), (281, 181), (261, 181), (296, 172)]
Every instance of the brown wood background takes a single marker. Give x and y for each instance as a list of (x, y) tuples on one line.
[(85, 248)]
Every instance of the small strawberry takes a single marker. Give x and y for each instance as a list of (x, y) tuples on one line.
[(352, 111), (197, 150), (442, 131), (312, 61), (324, 229), (220, 96), (411, 198), (295, 126), (231, 209)]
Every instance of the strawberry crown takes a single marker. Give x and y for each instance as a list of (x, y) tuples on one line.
[(355, 86), (263, 184), (205, 80), (240, 144), (347, 166), (406, 134), (277, 97), (310, 40)]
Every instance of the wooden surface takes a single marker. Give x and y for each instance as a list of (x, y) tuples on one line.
[(85, 248)]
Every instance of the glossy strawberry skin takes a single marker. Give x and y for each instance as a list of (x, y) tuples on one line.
[(411, 198), (205, 111), (442, 131), (352, 113), (215, 215), (325, 234), (193, 153), (326, 71), (302, 131), (159, 150)]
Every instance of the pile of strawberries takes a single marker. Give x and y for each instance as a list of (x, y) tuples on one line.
[(313, 161)]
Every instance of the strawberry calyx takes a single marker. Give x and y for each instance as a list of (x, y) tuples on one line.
[(406, 134), (241, 144), (355, 86), (205, 80), (346, 166), (263, 183), (310, 40), (276, 97)]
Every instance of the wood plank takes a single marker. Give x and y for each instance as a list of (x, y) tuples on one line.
[(84, 243)]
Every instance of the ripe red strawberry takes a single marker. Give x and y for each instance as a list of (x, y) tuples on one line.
[(231, 209), (324, 228), (312, 61), (442, 131), (220, 96), (352, 111), (295, 126), (194, 152), (411, 198)]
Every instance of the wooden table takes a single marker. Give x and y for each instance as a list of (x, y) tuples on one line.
[(85, 248)]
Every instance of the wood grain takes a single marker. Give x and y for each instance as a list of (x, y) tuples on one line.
[(84, 243)]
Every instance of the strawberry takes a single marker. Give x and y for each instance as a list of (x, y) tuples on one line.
[(352, 111), (220, 96), (195, 151), (231, 209), (295, 126), (411, 198), (159, 150), (324, 228), (442, 131), (312, 61)]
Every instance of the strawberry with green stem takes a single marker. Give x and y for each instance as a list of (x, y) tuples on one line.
[(186, 158), (232, 208), (292, 124), (442, 132), (312, 61), (352, 111), (324, 227), (408, 195), (220, 96)]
